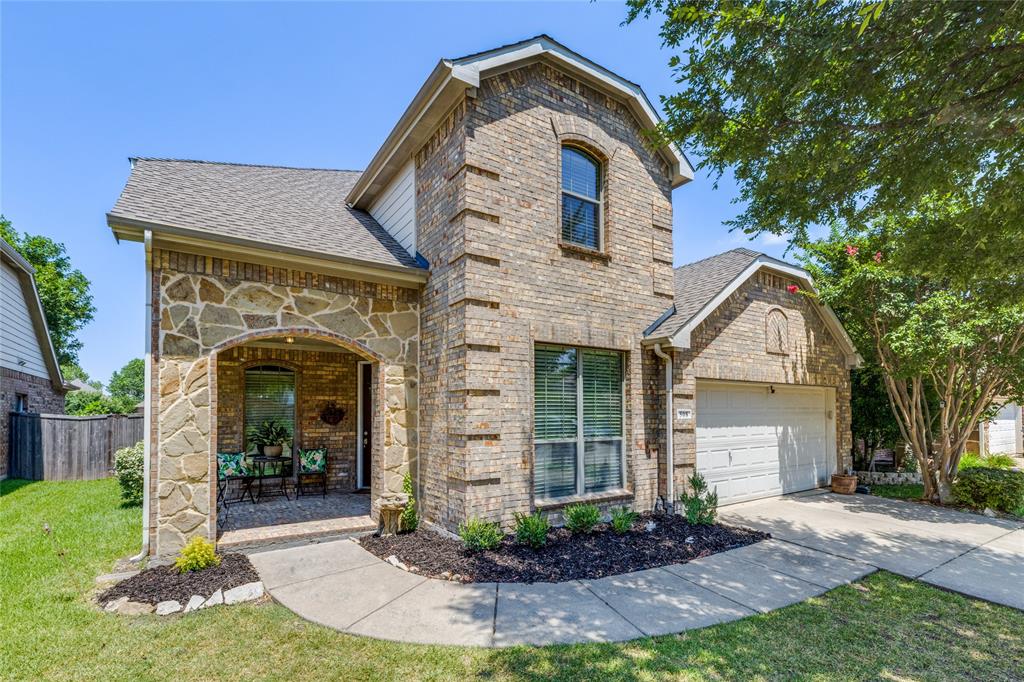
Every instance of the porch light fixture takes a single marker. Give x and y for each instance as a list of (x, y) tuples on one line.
[(289, 339)]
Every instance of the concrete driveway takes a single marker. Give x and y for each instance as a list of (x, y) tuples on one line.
[(969, 553)]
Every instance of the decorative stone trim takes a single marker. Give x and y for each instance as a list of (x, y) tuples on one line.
[(888, 477)]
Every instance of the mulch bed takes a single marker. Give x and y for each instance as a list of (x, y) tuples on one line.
[(164, 583), (565, 556)]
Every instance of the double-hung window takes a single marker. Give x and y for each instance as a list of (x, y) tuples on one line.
[(581, 198), (269, 394), (578, 401)]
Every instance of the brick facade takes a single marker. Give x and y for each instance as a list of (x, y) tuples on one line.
[(42, 397), (731, 345), (487, 198)]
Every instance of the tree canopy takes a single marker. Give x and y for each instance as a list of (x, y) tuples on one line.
[(129, 382), (824, 120), (63, 290)]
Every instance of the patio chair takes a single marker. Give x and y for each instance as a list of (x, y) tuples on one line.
[(312, 469), (231, 466)]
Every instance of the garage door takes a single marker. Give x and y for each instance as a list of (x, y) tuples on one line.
[(1004, 430), (753, 442)]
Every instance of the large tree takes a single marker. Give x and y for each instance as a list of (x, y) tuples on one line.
[(946, 350), (63, 290), (129, 382), (823, 120)]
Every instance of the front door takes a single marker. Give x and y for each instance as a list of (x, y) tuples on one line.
[(365, 423)]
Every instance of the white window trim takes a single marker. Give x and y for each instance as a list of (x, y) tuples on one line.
[(580, 438)]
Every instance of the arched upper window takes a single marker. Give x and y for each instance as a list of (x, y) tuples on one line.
[(776, 332), (269, 394), (581, 198)]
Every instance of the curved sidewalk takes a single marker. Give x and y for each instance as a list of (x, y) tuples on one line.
[(342, 586)]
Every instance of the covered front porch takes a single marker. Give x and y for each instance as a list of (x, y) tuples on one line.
[(319, 398)]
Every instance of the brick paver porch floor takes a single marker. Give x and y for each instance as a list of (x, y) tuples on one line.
[(282, 520)]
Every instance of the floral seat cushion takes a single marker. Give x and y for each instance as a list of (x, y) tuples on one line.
[(313, 461), (231, 465)]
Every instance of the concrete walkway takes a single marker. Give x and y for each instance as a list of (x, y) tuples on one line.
[(821, 541)]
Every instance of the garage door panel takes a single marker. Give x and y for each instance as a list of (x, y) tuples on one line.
[(754, 443)]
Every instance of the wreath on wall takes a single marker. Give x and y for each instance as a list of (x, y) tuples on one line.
[(332, 414)]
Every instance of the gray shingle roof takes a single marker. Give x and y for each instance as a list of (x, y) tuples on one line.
[(291, 209), (696, 284)]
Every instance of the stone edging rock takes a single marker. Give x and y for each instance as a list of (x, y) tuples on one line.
[(888, 477), (236, 595)]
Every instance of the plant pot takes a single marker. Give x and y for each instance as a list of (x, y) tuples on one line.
[(844, 484), (276, 450)]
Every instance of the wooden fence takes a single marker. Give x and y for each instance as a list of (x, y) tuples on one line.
[(58, 447)]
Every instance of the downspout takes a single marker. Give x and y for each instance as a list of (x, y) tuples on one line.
[(670, 493), (148, 409)]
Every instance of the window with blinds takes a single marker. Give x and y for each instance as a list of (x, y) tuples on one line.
[(581, 198), (269, 394), (578, 406)]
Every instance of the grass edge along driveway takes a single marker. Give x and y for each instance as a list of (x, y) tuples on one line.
[(881, 627)]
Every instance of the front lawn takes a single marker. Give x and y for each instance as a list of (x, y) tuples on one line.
[(883, 627), (905, 491)]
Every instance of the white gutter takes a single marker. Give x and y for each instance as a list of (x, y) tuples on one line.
[(670, 494), (148, 410)]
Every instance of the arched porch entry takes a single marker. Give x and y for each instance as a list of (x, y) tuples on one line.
[(325, 389)]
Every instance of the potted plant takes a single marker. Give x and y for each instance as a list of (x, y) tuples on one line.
[(844, 484), (269, 437)]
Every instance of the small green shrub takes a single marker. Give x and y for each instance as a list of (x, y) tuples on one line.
[(999, 461), (910, 463), (623, 520), (581, 518), (700, 505), (970, 460), (982, 487), (196, 555), (128, 467), (532, 529), (410, 519), (478, 535)]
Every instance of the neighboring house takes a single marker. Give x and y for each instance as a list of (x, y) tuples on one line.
[(489, 307), (1004, 434), (30, 379)]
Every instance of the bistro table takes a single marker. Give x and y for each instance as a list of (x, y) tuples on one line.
[(279, 469)]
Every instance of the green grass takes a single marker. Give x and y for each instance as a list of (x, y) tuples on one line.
[(883, 627), (905, 491)]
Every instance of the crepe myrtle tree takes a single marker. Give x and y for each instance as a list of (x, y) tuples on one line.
[(947, 347)]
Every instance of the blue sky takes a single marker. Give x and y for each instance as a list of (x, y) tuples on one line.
[(84, 86)]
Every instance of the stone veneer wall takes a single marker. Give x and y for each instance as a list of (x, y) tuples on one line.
[(204, 305), (42, 397), (731, 345), (488, 191), (320, 378)]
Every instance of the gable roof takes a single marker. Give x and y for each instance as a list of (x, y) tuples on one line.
[(298, 211), (26, 276), (701, 287), (451, 78)]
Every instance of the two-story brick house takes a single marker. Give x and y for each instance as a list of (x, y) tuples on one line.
[(490, 306)]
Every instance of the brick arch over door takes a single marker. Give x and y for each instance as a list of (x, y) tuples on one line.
[(343, 343)]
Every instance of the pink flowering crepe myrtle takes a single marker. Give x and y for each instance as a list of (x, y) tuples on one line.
[(851, 250), (878, 256)]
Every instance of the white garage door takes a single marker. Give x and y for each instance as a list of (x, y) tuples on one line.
[(1004, 430), (754, 443)]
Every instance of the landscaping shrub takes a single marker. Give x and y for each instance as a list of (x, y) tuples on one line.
[(623, 520), (196, 555), (700, 504), (581, 518), (982, 487), (409, 520), (970, 460), (478, 535), (999, 461), (128, 467), (532, 529)]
